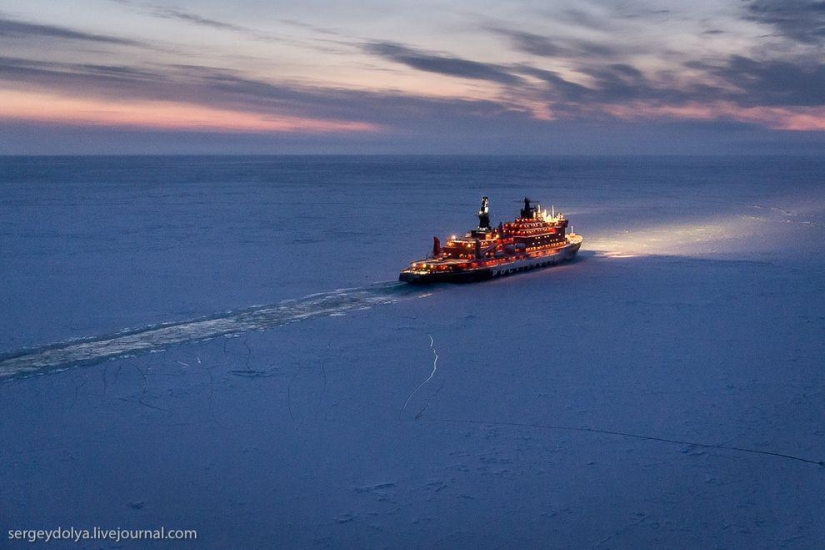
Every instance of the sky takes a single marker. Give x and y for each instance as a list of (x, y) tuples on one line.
[(426, 77)]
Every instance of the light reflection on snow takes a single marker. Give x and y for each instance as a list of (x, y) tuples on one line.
[(695, 238)]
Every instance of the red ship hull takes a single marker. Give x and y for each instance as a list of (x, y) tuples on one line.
[(517, 265)]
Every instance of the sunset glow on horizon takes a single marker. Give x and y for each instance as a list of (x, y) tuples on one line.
[(42, 108), (516, 77)]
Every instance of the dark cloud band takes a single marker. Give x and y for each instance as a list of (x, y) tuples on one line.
[(799, 20), (441, 64), (11, 28)]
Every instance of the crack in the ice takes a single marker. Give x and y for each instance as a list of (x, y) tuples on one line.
[(324, 374), (427, 404), (289, 393), (634, 436), (77, 388), (143, 391), (210, 371), (248, 351), (103, 372), (435, 368)]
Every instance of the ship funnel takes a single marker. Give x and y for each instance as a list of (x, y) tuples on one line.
[(527, 211), (484, 214), (436, 247)]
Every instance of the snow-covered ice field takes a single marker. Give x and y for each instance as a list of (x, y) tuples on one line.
[(219, 343)]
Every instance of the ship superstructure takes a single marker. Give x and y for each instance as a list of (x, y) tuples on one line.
[(535, 239)]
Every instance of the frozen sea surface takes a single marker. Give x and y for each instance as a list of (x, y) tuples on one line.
[(665, 389)]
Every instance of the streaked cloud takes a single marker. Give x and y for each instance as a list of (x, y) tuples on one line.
[(773, 82), (17, 29), (554, 47), (190, 17), (441, 63), (225, 90), (800, 20), (196, 19)]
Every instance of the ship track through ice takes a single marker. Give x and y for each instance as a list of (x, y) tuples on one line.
[(63, 355)]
